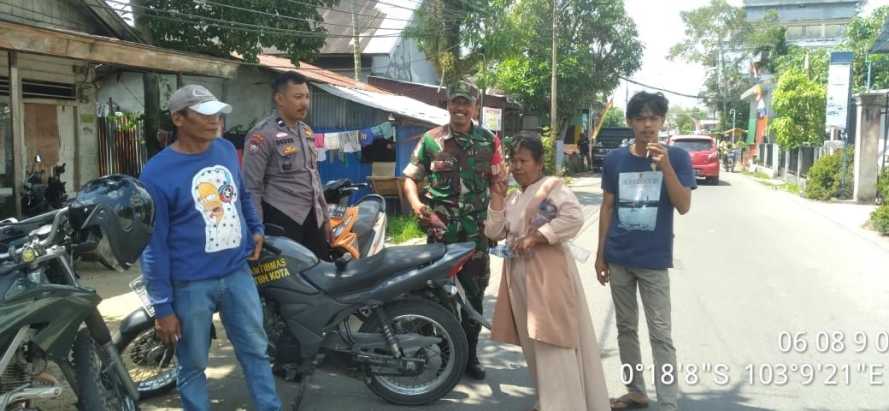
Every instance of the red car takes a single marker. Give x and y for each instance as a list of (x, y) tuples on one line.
[(704, 155)]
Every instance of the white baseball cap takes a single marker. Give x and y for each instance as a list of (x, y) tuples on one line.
[(197, 98)]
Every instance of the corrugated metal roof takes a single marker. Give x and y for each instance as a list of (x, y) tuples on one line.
[(401, 105), (314, 73), (333, 112)]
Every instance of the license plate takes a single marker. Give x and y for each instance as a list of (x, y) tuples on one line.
[(138, 287)]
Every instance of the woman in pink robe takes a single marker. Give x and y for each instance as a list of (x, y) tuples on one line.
[(541, 303)]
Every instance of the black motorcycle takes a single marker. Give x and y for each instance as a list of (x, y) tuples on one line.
[(46, 315), (56, 195), (33, 201), (39, 197), (393, 318)]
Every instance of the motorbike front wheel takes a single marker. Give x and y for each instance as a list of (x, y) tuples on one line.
[(98, 387), (151, 364), (445, 362)]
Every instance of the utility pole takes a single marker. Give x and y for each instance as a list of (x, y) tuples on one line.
[(150, 85), (734, 113), (722, 81), (554, 104), (355, 40)]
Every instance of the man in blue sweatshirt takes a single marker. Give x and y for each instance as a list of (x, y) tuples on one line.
[(206, 228)]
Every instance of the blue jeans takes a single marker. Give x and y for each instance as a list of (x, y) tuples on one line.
[(237, 300)]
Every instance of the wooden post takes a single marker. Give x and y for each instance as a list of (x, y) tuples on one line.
[(19, 162), (356, 48)]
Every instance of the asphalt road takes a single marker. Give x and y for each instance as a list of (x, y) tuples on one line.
[(767, 287), (755, 265)]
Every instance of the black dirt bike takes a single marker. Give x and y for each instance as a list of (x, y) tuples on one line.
[(46, 315)]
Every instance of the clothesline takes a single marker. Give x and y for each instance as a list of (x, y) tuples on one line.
[(351, 141)]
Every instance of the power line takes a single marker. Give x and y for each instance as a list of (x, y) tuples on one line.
[(349, 12), (395, 5), (223, 23), (286, 17), (659, 89)]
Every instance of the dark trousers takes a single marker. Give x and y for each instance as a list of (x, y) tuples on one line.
[(474, 278), (309, 234)]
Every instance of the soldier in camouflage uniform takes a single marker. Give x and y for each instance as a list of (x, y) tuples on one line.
[(458, 162)]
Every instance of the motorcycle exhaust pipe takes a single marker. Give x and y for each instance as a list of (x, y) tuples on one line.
[(456, 290)]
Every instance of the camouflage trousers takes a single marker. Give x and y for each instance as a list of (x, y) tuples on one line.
[(474, 277), (476, 273)]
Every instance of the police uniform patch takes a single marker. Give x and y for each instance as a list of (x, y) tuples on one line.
[(257, 138), (282, 141), (308, 131), (252, 147), (289, 150), (281, 135)]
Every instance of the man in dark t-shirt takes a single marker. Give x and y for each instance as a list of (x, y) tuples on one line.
[(643, 183)]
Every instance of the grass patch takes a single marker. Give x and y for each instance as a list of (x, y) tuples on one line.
[(879, 219), (790, 188), (758, 174), (403, 228)]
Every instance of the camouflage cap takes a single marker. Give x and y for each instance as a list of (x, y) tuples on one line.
[(461, 89)]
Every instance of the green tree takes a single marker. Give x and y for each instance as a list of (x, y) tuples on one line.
[(717, 37), (598, 43), (614, 118), (464, 38), (683, 118), (767, 38), (224, 27), (861, 33), (799, 105), (813, 62)]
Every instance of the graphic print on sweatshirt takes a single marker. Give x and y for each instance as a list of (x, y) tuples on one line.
[(215, 197), (638, 200)]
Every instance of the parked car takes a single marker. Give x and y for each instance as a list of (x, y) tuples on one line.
[(704, 155), (608, 139)]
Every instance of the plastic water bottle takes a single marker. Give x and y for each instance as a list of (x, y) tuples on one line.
[(580, 254), (502, 251)]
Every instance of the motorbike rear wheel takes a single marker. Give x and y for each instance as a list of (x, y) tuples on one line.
[(98, 387), (446, 361), (151, 364)]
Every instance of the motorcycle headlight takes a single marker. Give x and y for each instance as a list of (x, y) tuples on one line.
[(24, 283)]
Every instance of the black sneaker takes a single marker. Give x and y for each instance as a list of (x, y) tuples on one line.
[(474, 370)]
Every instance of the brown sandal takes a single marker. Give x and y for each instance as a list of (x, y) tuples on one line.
[(626, 402)]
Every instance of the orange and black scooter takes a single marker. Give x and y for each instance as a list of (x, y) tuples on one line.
[(358, 229)]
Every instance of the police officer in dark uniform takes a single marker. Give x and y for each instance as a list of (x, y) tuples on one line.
[(281, 168)]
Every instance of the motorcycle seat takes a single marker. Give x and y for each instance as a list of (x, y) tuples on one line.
[(368, 272)]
